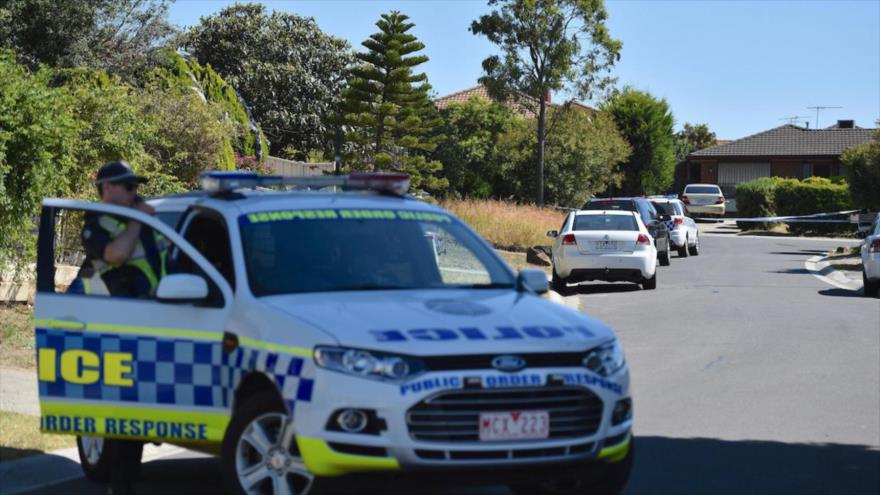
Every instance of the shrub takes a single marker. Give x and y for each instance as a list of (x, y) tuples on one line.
[(863, 172), (756, 199), (507, 225), (812, 195)]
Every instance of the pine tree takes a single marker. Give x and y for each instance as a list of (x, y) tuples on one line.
[(388, 115)]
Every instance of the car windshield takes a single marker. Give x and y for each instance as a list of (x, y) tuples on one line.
[(298, 251), (610, 204), (702, 190), (605, 222)]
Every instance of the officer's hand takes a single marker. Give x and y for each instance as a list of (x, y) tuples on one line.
[(145, 208)]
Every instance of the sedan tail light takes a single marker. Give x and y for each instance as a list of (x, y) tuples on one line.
[(568, 240), (875, 246), (678, 221), (643, 239), (719, 201), (685, 200)]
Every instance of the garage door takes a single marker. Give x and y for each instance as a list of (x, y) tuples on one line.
[(731, 174)]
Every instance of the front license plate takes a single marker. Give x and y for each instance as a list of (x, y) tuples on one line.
[(517, 425)]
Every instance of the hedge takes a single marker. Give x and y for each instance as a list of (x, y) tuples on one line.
[(771, 196)]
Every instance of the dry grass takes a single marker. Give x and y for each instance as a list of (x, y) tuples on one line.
[(507, 226), (20, 436), (17, 342)]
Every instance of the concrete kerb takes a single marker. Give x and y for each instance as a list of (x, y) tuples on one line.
[(821, 268)]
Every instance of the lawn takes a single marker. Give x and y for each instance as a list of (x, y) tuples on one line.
[(20, 436), (507, 226), (17, 336)]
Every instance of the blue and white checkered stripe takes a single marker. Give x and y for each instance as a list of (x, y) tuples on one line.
[(174, 371)]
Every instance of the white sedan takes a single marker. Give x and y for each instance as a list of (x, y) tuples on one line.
[(683, 232), (871, 260), (612, 246)]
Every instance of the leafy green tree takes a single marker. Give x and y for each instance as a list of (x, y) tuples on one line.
[(389, 116), (863, 173), (472, 130), (287, 69), (646, 123), (36, 136), (547, 45), (583, 154), (111, 35), (692, 137)]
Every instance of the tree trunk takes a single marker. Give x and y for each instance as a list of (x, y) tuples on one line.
[(541, 122)]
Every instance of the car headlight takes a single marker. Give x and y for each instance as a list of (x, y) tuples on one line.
[(606, 359), (369, 364)]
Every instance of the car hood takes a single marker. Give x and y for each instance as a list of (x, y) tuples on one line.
[(436, 322)]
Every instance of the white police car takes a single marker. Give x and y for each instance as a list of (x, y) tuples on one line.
[(309, 337)]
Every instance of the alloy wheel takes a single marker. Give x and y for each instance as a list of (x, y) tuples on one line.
[(267, 460)]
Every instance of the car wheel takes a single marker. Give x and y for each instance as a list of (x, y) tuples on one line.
[(683, 250), (579, 482), (259, 453), (695, 249), (96, 456), (557, 283), (664, 256), (650, 283), (871, 289)]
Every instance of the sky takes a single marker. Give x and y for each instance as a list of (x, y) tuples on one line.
[(741, 66)]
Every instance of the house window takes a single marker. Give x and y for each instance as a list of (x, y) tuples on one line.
[(808, 170), (823, 170)]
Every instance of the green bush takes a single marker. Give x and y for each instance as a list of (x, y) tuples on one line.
[(812, 195), (756, 199), (863, 172)]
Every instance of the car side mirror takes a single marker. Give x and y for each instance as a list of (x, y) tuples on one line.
[(860, 234), (553, 233), (182, 287), (533, 280)]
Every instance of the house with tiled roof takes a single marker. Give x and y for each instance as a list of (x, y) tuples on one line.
[(522, 107), (785, 151)]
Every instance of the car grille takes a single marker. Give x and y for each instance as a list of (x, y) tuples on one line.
[(455, 416)]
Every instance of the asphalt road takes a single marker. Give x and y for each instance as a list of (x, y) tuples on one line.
[(749, 375)]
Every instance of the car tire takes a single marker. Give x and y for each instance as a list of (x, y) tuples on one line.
[(695, 249), (96, 456), (262, 418), (557, 283), (683, 250), (871, 289), (664, 256), (611, 482), (650, 283)]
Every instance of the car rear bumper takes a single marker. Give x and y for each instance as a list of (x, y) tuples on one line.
[(871, 262), (632, 267), (678, 237), (707, 209)]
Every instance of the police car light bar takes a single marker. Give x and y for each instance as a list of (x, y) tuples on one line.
[(217, 182)]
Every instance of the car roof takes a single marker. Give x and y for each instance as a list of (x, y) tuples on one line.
[(702, 185), (250, 201), (604, 212)]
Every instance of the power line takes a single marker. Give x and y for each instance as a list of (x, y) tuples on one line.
[(817, 112)]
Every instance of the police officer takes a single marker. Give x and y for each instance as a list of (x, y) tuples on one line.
[(123, 259)]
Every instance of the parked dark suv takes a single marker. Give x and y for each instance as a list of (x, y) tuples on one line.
[(654, 220)]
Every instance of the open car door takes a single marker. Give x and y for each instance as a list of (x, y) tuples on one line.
[(149, 368)]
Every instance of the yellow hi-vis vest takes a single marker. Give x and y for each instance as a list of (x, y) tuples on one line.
[(95, 284)]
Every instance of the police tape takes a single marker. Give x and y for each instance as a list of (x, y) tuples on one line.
[(813, 218)]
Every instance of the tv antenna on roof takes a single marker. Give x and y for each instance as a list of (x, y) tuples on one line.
[(817, 112), (795, 118)]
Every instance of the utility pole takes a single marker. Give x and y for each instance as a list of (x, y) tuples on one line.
[(817, 112)]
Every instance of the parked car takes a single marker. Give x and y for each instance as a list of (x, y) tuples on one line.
[(683, 232), (654, 221), (705, 199), (611, 245), (871, 261)]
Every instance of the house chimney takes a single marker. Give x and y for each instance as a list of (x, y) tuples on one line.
[(846, 124)]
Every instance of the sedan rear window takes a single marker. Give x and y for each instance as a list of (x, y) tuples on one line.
[(605, 222), (610, 204), (702, 190)]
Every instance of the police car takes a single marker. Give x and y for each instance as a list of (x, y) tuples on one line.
[(308, 337), (683, 232)]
